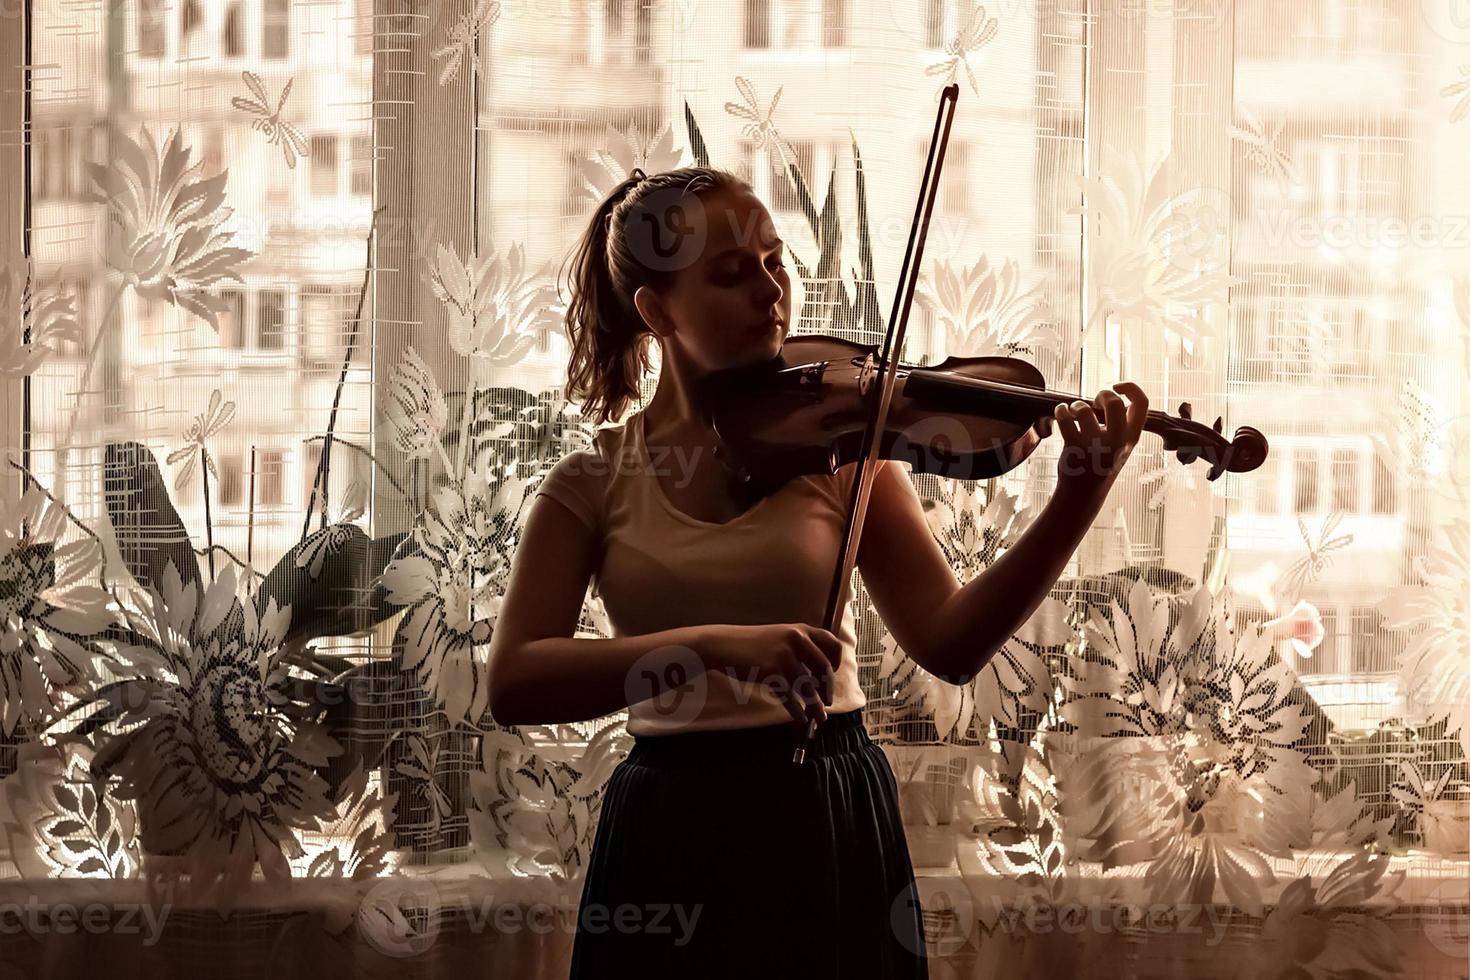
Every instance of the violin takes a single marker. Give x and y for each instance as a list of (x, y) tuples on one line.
[(824, 402), (965, 418)]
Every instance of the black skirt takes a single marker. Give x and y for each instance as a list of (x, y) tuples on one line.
[(715, 855)]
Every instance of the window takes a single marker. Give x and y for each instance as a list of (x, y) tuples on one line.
[(231, 478), (275, 29), (232, 41), (1370, 652), (362, 165), (834, 23), (616, 18), (1327, 661), (60, 155), (191, 18), (1305, 485), (272, 319), (151, 36), (232, 322), (268, 476), (943, 19), (326, 323), (1345, 491), (311, 459), (363, 34), (802, 153), (1385, 492), (757, 23), (324, 165)]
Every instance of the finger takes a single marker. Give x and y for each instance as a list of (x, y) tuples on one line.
[(808, 699), (794, 708), (1116, 413), (790, 687), (1086, 421), (1137, 404), (1066, 423), (828, 643)]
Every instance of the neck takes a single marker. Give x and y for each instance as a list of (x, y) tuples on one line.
[(673, 405)]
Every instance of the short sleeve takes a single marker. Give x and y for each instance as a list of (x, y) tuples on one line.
[(837, 487), (576, 483)]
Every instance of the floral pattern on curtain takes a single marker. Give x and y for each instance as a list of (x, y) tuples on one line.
[(282, 347)]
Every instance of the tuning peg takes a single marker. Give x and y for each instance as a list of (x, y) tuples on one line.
[(1185, 411), (1219, 423)]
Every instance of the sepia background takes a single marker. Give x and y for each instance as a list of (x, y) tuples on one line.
[(282, 355)]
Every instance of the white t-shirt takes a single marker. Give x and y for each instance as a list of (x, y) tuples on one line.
[(662, 569)]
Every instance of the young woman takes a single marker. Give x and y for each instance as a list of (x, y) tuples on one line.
[(715, 854)]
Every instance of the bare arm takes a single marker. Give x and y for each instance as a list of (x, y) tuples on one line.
[(540, 673)]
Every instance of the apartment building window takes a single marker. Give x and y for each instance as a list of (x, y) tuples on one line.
[(232, 39), (269, 482), (275, 29), (1385, 485), (1346, 493), (231, 477), (834, 23), (360, 179), (364, 32), (324, 177), (1357, 479), (1304, 486), (232, 322), (311, 459), (757, 23), (57, 164), (272, 307), (795, 24), (616, 16), (191, 18), (152, 36), (942, 19), (1372, 650), (1326, 659), (326, 323), (802, 153)]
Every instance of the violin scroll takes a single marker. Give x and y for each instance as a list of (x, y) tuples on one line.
[(1190, 440)]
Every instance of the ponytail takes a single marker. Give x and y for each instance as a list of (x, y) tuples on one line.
[(609, 339)]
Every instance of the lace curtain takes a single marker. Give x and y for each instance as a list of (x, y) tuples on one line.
[(283, 361)]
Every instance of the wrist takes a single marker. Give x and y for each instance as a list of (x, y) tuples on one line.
[(1083, 490)]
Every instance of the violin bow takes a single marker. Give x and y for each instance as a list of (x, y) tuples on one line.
[(884, 376)]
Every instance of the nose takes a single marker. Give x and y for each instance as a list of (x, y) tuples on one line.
[(769, 291)]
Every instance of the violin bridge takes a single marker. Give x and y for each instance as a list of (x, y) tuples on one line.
[(866, 374)]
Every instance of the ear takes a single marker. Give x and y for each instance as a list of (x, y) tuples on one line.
[(651, 307)]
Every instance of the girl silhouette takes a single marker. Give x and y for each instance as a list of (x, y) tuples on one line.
[(715, 854)]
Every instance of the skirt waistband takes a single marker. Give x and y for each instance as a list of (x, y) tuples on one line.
[(841, 732)]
